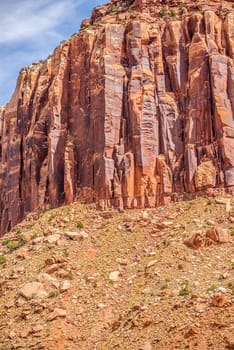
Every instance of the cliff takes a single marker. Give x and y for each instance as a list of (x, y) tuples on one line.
[(133, 111)]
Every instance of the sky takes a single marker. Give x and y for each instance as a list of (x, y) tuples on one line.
[(31, 29)]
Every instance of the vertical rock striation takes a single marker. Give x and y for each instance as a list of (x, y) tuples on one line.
[(133, 111)]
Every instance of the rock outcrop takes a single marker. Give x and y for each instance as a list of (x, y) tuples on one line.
[(133, 111)]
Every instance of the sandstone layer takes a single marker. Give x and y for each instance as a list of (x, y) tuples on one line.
[(133, 111)]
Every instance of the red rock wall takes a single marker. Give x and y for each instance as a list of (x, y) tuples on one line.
[(130, 113)]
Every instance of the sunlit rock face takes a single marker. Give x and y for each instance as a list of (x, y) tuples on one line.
[(135, 110)]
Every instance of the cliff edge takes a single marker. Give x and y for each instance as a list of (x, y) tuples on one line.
[(134, 110)]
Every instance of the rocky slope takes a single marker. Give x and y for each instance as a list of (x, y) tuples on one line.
[(76, 278), (135, 110)]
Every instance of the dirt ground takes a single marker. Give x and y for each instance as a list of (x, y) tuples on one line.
[(118, 280)]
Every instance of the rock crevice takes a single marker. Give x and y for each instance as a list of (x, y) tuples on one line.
[(130, 112)]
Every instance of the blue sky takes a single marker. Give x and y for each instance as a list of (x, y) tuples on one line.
[(31, 29)]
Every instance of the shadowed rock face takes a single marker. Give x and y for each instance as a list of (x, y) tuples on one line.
[(131, 112)]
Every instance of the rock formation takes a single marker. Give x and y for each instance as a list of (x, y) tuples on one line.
[(134, 110)]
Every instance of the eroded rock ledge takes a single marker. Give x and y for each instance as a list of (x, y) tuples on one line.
[(134, 110)]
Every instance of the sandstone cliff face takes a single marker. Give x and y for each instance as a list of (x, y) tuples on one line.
[(132, 111)]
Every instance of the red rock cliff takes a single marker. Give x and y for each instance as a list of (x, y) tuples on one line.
[(134, 110)]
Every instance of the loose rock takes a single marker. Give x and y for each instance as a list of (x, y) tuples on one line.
[(52, 238), (65, 285), (219, 299), (114, 276), (33, 290), (57, 313)]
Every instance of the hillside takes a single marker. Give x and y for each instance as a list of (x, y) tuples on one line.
[(76, 278), (117, 183)]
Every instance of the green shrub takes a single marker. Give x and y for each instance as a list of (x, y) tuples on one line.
[(164, 286), (53, 293), (86, 26), (14, 244), (211, 288), (166, 242), (114, 9), (2, 259), (6, 241), (185, 289), (101, 23), (66, 253), (182, 5), (50, 218), (19, 231), (180, 266), (232, 231), (173, 13), (163, 12), (79, 224)]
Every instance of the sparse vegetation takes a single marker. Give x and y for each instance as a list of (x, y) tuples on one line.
[(118, 117), (183, 5), (166, 242), (101, 23), (80, 224), (15, 243), (173, 13), (212, 288), (6, 241), (232, 231), (180, 266), (66, 253), (223, 9), (85, 26), (163, 289), (50, 218), (163, 12), (5, 347), (53, 293), (114, 9), (164, 286), (2, 259), (19, 231), (185, 290)]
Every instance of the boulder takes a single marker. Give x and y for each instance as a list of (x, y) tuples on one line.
[(33, 290)]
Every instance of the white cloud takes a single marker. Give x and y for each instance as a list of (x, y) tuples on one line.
[(31, 29), (27, 18)]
